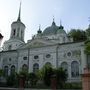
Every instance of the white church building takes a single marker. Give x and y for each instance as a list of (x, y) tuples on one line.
[(53, 46)]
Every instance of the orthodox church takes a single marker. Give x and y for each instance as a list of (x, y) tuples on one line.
[(53, 46)]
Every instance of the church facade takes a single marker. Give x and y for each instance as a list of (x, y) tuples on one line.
[(53, 46)]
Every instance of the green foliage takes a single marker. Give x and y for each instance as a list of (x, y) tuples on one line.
[(1, 72), (87, 47), (61, 77), (12, 80), (47, 73), (1, 76), (88, 32), (73, 85), (23, 74), (44, 76), (78, 35), (33, 79), (47, 76)]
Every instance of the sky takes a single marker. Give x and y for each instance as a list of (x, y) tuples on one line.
[(72, 13)]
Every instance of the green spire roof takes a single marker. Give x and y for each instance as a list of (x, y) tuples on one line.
[(19, 15)]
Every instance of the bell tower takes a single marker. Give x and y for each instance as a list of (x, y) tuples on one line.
[(17, 28), (17, 34)]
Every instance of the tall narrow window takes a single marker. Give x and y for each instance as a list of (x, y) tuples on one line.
[(25, 68), (12, 69), (18, 31), (64, 65), (14, 31), (35, 67), (6, 71), (74, 69)]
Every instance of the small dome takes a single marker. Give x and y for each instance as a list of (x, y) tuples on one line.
[(51, 29), (39, 31), (61, 27), (61, 30)]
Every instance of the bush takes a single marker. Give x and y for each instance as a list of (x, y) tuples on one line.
[(33, 79), (12, 80)]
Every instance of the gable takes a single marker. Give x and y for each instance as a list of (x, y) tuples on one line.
[(36, 43)]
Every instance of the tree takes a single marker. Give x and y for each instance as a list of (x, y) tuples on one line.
[(1, 72), (23, 76), (61, 77), (87, 51), (45, 74), (12, 80), (78, 35), (87, 47), (88, 32), (33, 79)]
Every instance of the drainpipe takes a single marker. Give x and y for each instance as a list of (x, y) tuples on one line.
[(18, 69), (28, 58), (57, 55)]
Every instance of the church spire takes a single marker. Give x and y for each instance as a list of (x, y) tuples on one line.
[(53, 23), (60, 23), (19, 15)]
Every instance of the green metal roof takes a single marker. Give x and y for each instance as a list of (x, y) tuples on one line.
[(60, 31), (54, 29), (51, 29)]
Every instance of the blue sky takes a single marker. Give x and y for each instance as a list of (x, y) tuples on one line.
[(72, 13)]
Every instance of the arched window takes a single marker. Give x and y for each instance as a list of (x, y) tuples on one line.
[(9, 47), (12, 69), (48, 64), (64, 39), (35, 67), (64, 65), (14, 32), (6, 70), (25, 68), (18, 31), (74, 69)]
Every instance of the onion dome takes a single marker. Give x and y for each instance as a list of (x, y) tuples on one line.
[(61, 29), (39, 31)]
